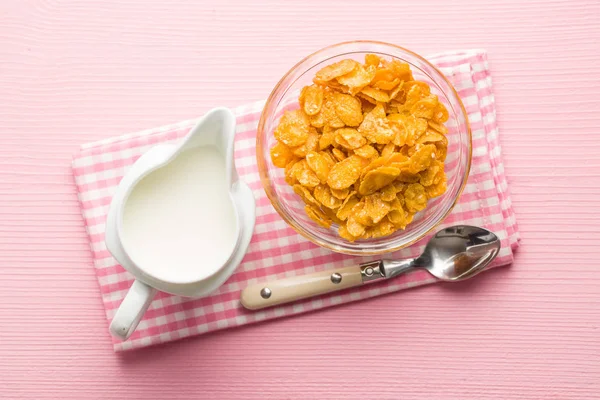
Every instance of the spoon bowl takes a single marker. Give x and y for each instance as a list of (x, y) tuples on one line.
[(459, 252)]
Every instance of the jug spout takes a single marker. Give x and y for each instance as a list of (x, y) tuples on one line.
[(216, 128)]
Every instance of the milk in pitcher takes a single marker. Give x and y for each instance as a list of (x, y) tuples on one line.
[(179, 222)]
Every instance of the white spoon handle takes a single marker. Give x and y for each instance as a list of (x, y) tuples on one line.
[(262, 295)]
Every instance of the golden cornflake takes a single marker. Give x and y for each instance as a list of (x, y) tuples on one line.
[(345, 173), (341, 193), (358, 78), (432, 174), (424, 108), (281, 155), (372, 59), (327, 138), (375, 126), (366, 151), (383, 228), (377, 179), (292, 169), (338, 154), (360, 214), (415, 197), (438, 188), (348, 109), (422, 158), (304, 175), (305, 194), (323, 195), (318, 216), (344, 234), (334, 70), (293, 128), (329, 158), (319, 164), (311, 144), (330, 116), (397, 217), (430, 136), (354, 227), (399, 69), (349, 138), (331, 215), (440, 114), (311, 99), (387, 85), (441, 149), (436, 126), (388, 150), (376, 94), (376, 208), (388, 193), (347, 206)]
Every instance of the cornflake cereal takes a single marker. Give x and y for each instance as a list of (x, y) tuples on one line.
[(366, 148)]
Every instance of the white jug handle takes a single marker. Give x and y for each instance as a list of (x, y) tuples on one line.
[(131, 310)]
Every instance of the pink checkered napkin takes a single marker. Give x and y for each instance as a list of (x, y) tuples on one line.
[(277, 251)]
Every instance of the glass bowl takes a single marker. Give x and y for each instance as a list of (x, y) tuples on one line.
[(291, 207)]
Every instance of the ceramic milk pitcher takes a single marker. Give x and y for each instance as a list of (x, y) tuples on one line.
[(180, 220)]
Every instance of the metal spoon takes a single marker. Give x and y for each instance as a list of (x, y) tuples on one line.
[(453, 254)]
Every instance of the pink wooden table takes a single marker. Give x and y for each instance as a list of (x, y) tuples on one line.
[(72, 72)]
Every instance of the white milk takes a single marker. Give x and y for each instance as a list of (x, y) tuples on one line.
[(179, 222)]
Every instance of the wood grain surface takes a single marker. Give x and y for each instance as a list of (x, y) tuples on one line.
[(76, 71)]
